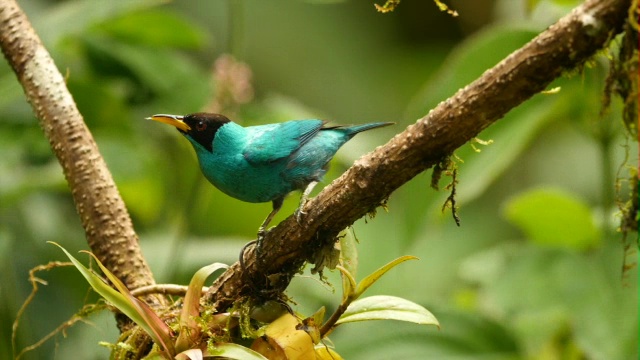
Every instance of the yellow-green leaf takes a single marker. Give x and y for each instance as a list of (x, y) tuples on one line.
[(371, 279), (387, 308), (189, 329), (234, 351), (160, 332)]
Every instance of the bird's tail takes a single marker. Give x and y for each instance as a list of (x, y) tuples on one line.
[(352, 130)]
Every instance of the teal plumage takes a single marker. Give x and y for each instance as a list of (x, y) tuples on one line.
[(266, 162)]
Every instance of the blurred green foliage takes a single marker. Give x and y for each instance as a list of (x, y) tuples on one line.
[(553, 218), (533, 272)]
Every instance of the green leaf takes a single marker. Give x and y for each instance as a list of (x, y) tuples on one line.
[(156, 28), (467, 335), (234, 351), (152, 66), (371, 279), (542, 293), (318, 316), (554, 218), (136, 310), (160, 332), (387, 308), (74, 17), (189, 329)]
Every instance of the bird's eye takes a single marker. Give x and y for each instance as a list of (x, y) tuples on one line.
[(201, 126)]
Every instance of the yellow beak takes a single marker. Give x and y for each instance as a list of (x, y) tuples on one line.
[(175, 120)]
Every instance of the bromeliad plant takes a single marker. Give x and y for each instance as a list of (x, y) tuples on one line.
[(280, 334), (166, 345)]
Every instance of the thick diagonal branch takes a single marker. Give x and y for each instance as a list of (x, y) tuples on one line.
[(563, 46), (105, 219)]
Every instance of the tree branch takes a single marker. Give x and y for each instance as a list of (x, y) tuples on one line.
[(105, 219), (564, 46)]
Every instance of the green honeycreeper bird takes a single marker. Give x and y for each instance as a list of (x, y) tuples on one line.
[(266, 162)]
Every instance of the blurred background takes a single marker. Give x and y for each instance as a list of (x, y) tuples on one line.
[(537, 269)]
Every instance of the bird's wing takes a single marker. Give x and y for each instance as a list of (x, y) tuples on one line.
[(270, 143)]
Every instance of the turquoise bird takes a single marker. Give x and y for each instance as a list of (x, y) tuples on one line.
[(266, 162)]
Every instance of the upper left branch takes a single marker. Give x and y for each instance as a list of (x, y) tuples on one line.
[(105, 219)]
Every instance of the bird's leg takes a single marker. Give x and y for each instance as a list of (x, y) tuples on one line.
[(303, 200), (262, 231)]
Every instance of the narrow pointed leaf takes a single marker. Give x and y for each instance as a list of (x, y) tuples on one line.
[(313, 323), (107, 292), (160, 332), (371, 279), (319, 315), (189, 328), (121, 301), (234, 351), (387, 308)]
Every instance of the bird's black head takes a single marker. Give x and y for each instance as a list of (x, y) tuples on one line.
[(203, 127)]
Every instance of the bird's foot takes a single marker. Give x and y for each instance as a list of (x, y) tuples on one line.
[(303, 201), (244, 248), (299, 213), (262, 232), (258, 243)]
